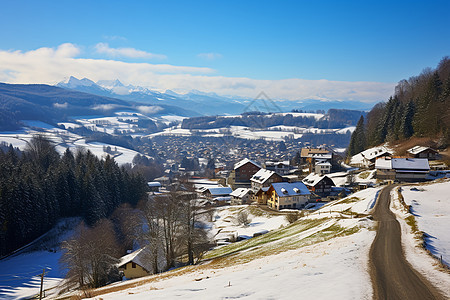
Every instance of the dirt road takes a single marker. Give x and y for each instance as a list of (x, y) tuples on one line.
[(392, 276)]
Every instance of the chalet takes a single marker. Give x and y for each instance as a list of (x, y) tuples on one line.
[(137, 264), (423, 152), (288, 195), (367, 158), (318, 184), (242, 172), (402, 169), (241, 196), (264, 178)]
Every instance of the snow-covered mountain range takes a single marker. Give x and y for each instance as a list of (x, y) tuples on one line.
[(201, 102)]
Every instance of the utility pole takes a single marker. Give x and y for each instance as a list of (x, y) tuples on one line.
[(42, 284)]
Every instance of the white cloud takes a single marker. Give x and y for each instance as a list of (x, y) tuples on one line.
[(105, 107), (51, 65), (103, 48), (210, 56), (61, 105), (149, 109)]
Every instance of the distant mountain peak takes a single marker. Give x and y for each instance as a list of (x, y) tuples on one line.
[(74, 82), (110, 83)]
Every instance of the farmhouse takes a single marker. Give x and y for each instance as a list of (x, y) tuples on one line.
[(402, 169), (288, 195)]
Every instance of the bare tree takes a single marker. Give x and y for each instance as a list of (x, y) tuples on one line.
[(243, 218), (90, 254)]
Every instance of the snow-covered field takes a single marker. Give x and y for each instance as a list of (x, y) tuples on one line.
[(19, 275), (225, 220), (20, 272), (430, 204), (414, 252), (322, 256), (328, 270)]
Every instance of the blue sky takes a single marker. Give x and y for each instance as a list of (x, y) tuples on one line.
[(242, 43)]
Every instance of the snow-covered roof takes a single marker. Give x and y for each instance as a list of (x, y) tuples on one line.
[(324, 164), (321, 156), (137, 257), (243, 162), (240, 192), (154, 184), (285, 189), (417, 149), (399, 164), (219, 190), (262, 175), (276, 163), (410, 164), (370, 154), (312, 179), (383, 163)]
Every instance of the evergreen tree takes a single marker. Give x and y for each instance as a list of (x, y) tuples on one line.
[(358, 139)]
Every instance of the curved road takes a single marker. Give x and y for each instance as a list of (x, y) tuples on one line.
[(392, 276)]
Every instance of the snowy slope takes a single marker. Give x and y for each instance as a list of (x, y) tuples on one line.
[(430, 204)]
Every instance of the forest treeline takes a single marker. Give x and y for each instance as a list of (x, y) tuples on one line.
[(38, 187), (335, 118), (420, 107)]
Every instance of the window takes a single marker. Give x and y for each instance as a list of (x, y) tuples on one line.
[(133, 265)]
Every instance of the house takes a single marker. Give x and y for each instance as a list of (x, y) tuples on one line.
[(423, 152), (367, 158), (242, 172), (241, 196), (139, 263), (261, 196), (215, 192), (402, 169), (154, 186), (281, 167), (309, 152), (322, 168), (318, 184), (264, 178), (288, 195)]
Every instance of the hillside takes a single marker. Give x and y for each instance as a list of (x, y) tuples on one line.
[(419, 108), (54, 104)]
